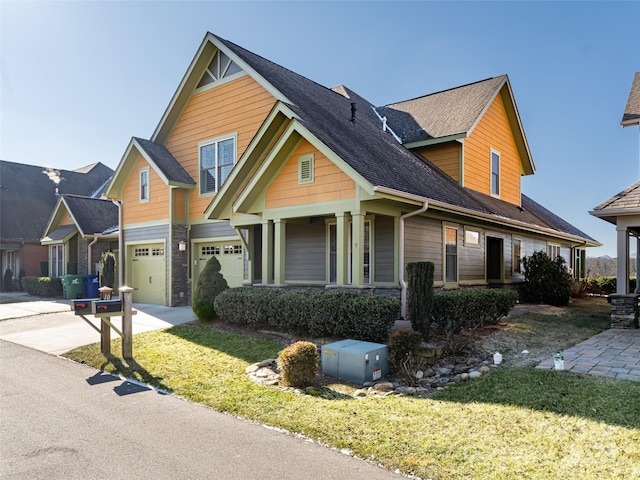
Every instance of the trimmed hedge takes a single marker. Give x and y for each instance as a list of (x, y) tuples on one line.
[(469, 308), (311, 312), (42, 286)]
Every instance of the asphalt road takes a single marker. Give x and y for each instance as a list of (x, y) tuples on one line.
[(63, 420)]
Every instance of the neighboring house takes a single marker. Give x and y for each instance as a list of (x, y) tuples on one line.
[(28, 195), (79, 231), (290, 183), (623, 209)]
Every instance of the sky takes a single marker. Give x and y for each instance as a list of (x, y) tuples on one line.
[(79, 79)]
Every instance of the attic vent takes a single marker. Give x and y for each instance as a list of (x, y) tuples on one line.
[(305, 169), (220, 67)]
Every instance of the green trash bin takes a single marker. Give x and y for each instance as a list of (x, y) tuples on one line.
[(73, 286)]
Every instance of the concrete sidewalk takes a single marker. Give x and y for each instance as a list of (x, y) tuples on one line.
[(50, 326)]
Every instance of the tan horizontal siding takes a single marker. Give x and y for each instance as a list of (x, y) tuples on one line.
[(157, 208), (493, 131), (330, 183), (423, 243), (445, 157), (237, 107)]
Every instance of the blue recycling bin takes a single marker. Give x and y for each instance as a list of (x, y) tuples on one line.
[(91, 286)]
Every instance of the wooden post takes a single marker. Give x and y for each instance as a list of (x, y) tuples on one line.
[(127, 327), (105, 324)]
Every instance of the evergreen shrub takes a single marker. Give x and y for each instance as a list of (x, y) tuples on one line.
[(108, 270), (210, 284), (469, 308), (7, 280), (420, 301), (298, 364), (42, 286), (546, 280), (311, 312)]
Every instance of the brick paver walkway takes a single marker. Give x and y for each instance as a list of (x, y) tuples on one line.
[(612, 353)]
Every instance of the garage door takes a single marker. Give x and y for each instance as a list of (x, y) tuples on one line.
[(231, 258), (148, 273)]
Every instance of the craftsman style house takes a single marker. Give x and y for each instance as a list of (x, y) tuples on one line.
[(79, 231), (288, 182), (28, 196)]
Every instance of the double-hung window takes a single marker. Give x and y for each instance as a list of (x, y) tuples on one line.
[(217, 157), (495, 173), (144, 185), (451, 254), (516, 256)]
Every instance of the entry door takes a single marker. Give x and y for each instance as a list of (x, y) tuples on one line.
[(495, 259), (148, 277)]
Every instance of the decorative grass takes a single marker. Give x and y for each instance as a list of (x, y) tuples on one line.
[(514, 423)]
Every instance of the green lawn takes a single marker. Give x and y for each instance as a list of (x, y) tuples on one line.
[(514, 423)]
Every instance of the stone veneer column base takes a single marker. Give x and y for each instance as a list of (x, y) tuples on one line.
[(624, 310)]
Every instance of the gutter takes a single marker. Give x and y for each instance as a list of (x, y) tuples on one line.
[(93, 242), (422, 209), (118, 204)]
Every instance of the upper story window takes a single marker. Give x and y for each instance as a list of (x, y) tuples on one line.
[(144, 185), (221, 66), (217, 157), (495, 173)]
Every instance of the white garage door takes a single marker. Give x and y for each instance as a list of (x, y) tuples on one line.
[(231, 258), (148, 273)]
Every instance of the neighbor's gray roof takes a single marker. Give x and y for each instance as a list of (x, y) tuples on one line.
[(165, 161), (631, 114), (28, 196), (625, 202), (92, 215), (61, 233), (441, 114), (378, 157)]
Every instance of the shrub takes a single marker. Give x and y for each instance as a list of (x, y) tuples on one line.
[(42, 286), (420, 286), (7, 280), (469, 308), (108, 270), (298, 364), (546, 280), (310, 312), (210, 284)]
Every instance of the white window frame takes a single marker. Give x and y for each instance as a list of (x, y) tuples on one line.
[(309, 161), (551, 247), (493, 174), (516, 260), (469, 242), (57, 269), (216, 141), (445, 270), (143, 196)]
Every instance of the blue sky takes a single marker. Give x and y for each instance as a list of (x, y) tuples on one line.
[(79, 79)]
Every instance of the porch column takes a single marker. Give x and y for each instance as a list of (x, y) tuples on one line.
[(357, 248), (280, 251), (622, 274), (251, 239), (637, 289), (267, 251), (342, 248)]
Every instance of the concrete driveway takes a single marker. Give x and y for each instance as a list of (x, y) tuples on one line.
[(50, 326)]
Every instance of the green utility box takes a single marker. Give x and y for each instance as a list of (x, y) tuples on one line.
[(73, 286), (355, 361)]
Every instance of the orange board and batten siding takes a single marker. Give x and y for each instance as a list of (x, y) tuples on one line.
[(329, 184), (493, 132), (66, 219), (156, 208), (446, 157), (237, 107)]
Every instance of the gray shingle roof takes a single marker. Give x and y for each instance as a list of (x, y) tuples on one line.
[(61, 233), (28, 196), (629, 198), (441, 114), (376, 155), (165, 161), (632, 110), (92, 215)]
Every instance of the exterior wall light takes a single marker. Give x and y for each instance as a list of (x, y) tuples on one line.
[(182, 246)]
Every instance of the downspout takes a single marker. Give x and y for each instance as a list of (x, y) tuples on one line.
[(93, 242), (120, 243), (403, 284)]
